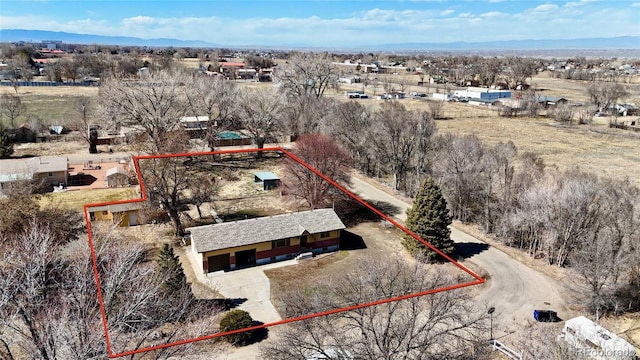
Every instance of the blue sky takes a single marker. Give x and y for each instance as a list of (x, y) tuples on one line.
[(329, 22)]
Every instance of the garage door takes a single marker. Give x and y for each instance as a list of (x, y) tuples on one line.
[(218, 262), (246, 258)]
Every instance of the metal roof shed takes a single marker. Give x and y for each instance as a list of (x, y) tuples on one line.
[(592, 341), (268, 179)]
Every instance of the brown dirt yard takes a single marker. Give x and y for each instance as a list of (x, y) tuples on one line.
[(365, 240)]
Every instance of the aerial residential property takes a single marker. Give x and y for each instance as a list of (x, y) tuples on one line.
[(262, 240), (50, 170)]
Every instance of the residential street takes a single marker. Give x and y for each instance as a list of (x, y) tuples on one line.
[(514, 289)]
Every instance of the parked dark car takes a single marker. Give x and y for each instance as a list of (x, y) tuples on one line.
[(545, 316)]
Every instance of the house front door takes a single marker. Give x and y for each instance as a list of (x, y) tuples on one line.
[(303, 241)]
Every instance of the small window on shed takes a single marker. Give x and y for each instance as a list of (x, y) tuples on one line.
[(325, 234), (591, 344), (50, 173)]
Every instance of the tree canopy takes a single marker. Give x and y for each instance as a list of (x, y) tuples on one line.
[(429, 219)]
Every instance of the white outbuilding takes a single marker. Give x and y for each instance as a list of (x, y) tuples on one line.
[(592, 341)]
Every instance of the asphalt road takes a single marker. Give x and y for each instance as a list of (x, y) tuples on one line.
[(513, 288)]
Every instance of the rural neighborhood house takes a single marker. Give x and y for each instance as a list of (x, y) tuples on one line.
[(262, 240), (51, 170)]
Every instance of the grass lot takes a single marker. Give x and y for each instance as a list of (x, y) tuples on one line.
[(75, 199), (52, 105)]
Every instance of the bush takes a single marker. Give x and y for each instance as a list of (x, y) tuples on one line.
[(235, 320)]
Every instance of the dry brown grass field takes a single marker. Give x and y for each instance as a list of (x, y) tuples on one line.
[(596, 148)]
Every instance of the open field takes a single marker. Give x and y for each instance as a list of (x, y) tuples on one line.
[(596, 148), (53, 105)]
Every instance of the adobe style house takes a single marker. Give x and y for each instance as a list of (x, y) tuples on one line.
[(263, 240), (48, 170), (127, 214)]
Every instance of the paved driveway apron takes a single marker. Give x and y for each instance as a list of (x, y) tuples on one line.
[(250, 287)]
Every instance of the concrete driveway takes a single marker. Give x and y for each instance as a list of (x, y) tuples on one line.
[(250, 288)]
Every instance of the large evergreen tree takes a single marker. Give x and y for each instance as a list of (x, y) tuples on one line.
[(429, 219), (171, 270), (6, 145)]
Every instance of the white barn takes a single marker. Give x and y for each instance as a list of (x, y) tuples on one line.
[(592, 341)]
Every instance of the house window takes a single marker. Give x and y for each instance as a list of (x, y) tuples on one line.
[(325, 234), (280, 243), (50, 174), (105, 213)]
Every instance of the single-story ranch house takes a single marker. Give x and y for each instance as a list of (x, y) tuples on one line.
[(266, 239), (50, 170)]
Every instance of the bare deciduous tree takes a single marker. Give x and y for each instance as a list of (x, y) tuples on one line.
[(350, 125), (202, 190), (11, 107), (323, 154), (417, 328), (154, 104), (217, 99), (563, 113), (457, 167), (395, 137), (261, 114), (605, 95), (83, 122), (307, 73)]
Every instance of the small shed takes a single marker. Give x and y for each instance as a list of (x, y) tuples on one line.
[(268, 179), (592, 341), (117, 177)]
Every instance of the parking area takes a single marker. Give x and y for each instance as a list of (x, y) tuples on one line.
[(248, 288)]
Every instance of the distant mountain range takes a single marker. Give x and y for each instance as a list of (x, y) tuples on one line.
[(14, 35), (621, 42)]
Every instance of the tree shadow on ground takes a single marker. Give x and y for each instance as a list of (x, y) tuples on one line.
[(466, 250), (351, 241), (353, 213), (82, 179), (260, 334), (228, 304)]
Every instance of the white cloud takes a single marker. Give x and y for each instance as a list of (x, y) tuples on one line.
[(493, 14), (376, 26), (545, 8), (635, 4)]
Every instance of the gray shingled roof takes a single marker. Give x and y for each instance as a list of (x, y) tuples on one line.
[(253, 231)]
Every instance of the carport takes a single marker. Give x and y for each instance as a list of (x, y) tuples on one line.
[(268, 179)]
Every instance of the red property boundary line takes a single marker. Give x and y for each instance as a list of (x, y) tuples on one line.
[(478, 279)]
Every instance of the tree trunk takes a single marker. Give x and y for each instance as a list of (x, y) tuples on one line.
[(199, 211), (174, 214), (260, 142)]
